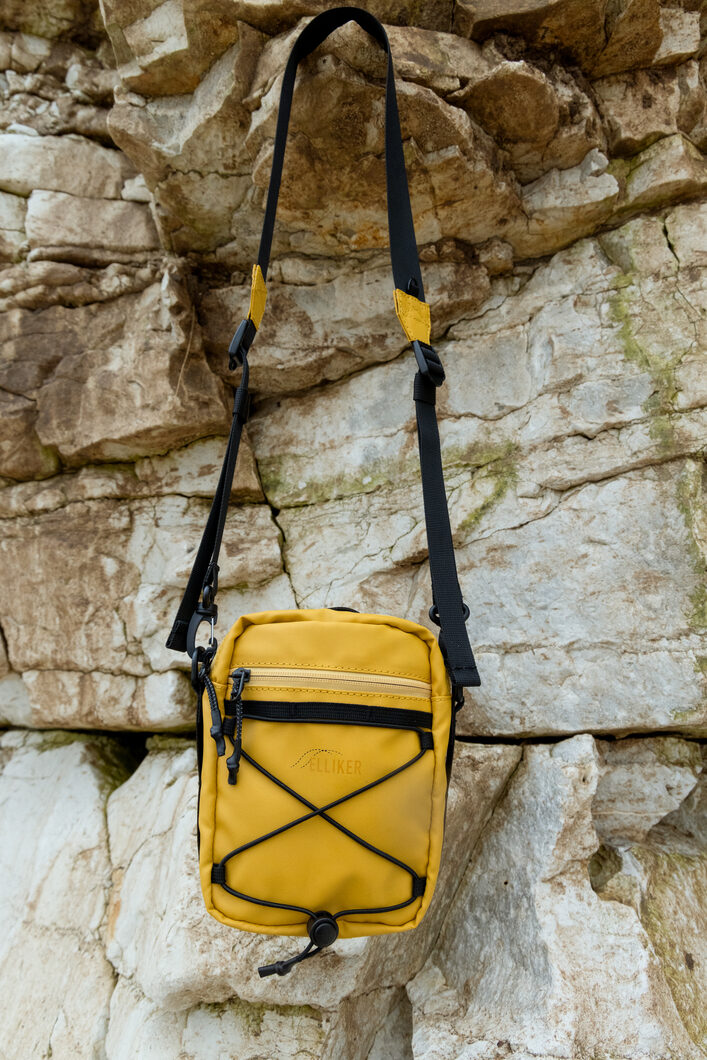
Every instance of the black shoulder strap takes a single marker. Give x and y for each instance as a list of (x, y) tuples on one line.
[(448, 609)]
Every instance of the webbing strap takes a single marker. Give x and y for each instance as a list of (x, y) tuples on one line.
[(403, 247), (448, 607)]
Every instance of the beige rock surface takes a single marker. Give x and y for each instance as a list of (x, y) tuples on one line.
[(573, 965), (194, 959), (54, 876), (555, 155)]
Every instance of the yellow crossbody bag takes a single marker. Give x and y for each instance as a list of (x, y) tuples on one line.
[(325, 736)]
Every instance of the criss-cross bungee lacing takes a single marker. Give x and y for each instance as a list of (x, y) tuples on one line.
[(322, 926)]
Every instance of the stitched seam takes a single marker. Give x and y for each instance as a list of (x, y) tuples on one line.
[(337, 692), (298, 665)]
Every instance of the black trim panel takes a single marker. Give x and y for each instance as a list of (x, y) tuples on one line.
[(387, 717)]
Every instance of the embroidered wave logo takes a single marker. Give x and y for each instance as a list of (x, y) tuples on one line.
[(327, 760)]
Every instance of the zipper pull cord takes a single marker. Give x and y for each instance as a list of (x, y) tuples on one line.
[(322, 929), (283, 967), (216, 729), (240, 677)]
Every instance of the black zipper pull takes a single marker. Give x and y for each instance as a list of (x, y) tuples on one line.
[(216, 729), (240, 677)]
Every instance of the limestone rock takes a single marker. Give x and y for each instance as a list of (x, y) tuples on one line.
[(190, 148), (633, 36), (641, 782), (22, 455), (62, 163), (589, 344), (564, 205), (331, 328), (196, 960), (446, 151), (12, 226), (576, 26), (62, 18), (192, 471), (680, 32), (139, 1027), (165, 49), (54, 875), (669, 170), (40, 284), (662, 878), (116, 604), (646, 105), (551, 985), (88, 230), (139, 364), (59, 699)]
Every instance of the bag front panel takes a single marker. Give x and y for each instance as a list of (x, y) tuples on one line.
[(380, 693)]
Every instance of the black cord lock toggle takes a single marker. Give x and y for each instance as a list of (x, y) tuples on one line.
[(428, 362), (241, 343), (322, 929)]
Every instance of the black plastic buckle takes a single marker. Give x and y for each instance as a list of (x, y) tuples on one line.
[(434, 613), (428, 362), (241, 343)]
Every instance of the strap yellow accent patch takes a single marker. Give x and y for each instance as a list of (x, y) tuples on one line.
[(258, 294), (414, 315)]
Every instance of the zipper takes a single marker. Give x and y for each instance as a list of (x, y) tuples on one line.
[(342, 714), (334, 681), (338, 714)]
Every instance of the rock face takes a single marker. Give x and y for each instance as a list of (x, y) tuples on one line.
[(556, 158)]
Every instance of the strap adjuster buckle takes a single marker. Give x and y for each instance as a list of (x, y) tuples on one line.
[(241, 343), (428, 362), (434, 613)]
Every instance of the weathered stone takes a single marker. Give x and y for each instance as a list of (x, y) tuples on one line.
[(564, 205), (12, 226), (42, 103), (40, 284), (646, 105), (62, 163), (139, 1027), (22, 455), (60, 19), (619, 330), (57, 699), (493, 102), (680, 33), (88, 230), (634, 32), (576, 973), (578, 130), (190, 148), (576, 26), (192, 471), (541, 618), (446, 151), (197, 960), (140, 366), (663, 879), (667, 171), (54, 876), (126, 581), (301, 343), (641, 782), (164, 49)]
